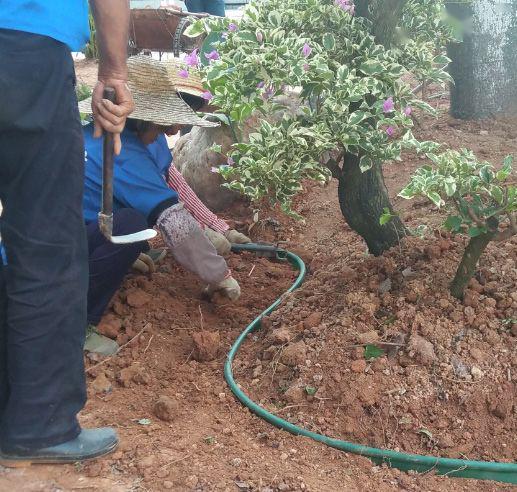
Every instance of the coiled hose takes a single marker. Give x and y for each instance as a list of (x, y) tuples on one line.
[(484, 470)]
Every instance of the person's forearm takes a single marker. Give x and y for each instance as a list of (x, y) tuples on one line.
[(193, 204), (189, 245), (112, 26)]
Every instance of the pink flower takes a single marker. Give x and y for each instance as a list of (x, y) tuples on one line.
[(260, 36), (183, 73), (408, 111), (390, 131), (212, 56), (207, 96), (232, 27), (306, 67), (230, 161), (260, 84), (214, 170), (306, 50), (388, 105), (192, 60)]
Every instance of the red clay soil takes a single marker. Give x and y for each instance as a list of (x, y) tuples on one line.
[(445, 384)]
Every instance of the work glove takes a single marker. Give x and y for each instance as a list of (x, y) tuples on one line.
[(229, 288), (146, 262), (223, 242), (220, 243), (236, 237)]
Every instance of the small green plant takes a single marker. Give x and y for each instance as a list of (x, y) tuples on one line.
[(91, 50), (386, 216), (83, 91), (481, 202), (310, 390), (372, 352), (209, 440)]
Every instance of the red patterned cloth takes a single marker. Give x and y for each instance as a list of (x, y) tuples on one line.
[(193, 204)]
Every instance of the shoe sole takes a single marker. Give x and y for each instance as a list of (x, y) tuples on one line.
[(23, 462)]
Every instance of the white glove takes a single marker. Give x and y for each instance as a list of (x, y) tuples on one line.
[(229, 287), (223, 243), (220, 243), (236, 237), (144, 264)]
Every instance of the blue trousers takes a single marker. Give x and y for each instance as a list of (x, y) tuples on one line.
[(108, 262), (212, 7), (44, 283)]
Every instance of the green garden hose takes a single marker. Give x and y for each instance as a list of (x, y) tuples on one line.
[(502, 472)]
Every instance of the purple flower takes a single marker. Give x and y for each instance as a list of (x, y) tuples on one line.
[(306, 50), (346, 5), (232, 27), (214, 169), (408, 111), (268, 93), (212, 56), (390, 131), (260, 36), (306, 67), (183, 73), (192, 60), (230, 161), (388, 105), (207, 96), (260, 84)]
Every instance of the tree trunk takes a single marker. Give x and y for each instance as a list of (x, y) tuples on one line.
[(362, 198), (484, 65), (467, 267), (384, 15)]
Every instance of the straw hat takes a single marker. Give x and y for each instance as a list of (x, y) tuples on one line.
[(155, 86), (191, 85)]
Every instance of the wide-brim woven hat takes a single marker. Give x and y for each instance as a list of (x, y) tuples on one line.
[(155, 86), (192, 84)]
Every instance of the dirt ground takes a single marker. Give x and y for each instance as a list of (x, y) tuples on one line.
[(180, 426)]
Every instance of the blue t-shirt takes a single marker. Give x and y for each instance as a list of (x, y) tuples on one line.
[(64, 20), (161, 154), (138, 176)]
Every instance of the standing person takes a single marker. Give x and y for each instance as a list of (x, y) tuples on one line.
[(212, 7), (44, 267)]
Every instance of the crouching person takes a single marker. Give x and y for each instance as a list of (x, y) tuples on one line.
[(142, 197)]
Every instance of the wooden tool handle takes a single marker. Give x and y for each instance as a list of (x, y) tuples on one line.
[(109, 94), (107, 161)]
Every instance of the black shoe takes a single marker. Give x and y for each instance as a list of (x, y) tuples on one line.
[(89, 444)]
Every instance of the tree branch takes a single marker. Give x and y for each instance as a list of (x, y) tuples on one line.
[(475, 218), (333, 165), (510, 231)]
